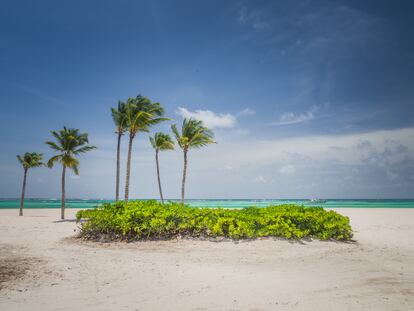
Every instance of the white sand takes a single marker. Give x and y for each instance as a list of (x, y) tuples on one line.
[(376, 273)]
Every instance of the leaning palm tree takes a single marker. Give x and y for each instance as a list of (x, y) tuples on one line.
[(120, 120), (69, 144), (161, 142), (29, 160), (193, 135), (141, 114)]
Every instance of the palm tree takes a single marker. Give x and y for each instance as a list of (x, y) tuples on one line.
[(29, 160), (161, 142), (141, 114), (193, 135), (70, 143), (120, 120)]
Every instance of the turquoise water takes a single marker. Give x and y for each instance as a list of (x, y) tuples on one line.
[(236, 203)]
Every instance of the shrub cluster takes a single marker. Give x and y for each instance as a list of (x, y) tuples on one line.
[(150, 220)]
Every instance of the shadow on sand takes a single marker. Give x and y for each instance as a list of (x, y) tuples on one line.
[(64, 220)]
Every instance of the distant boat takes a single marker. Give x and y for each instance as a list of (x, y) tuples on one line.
[(317, 201)]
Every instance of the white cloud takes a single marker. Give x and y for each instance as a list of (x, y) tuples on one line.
[(253, 18), (227, 167), (391, 175), (288, 169), (291, 118), (210, 119), (244, 166), (242, 17), (247, 112), (259, 179)]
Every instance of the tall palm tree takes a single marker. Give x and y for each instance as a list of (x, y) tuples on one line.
[(29, 160), (120, 120), (69, 144), (193, 135), (161, 142), (141, 114)]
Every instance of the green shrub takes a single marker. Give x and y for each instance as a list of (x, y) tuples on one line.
[(142, 220)]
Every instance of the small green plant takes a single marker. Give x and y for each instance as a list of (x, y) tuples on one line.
[(150, 220)]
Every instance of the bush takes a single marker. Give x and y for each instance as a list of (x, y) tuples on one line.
[(150, 220)]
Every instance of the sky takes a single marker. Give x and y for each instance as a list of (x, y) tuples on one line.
[(306, 98)]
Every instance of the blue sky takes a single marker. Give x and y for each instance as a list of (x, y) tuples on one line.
[(307, 98)]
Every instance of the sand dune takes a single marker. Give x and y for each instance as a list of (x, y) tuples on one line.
[(42, 269)]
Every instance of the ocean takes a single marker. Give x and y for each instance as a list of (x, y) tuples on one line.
[(235, 203)]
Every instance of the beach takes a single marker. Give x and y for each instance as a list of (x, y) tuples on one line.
[(43, 267)]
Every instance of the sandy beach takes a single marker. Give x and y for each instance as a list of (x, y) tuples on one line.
[(43, 268)]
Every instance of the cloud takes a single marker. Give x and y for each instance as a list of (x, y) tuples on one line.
[(253, 18), (210, 119), (378, 163), (247, 112), (288, 169), (290, 118), (242, 16), (314, 166), (391, 175), (227, 167), (259, 179)]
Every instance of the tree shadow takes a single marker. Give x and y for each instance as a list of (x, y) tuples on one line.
[(64, 220)]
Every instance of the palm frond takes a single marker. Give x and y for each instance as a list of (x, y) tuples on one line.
[(162, 141), (52, 160), (84, 149), (193, 134), (19, 158), (31, 159), (141, 114), (69, 143), (152, 141), (176, 134), (75, 169), (54, 146)]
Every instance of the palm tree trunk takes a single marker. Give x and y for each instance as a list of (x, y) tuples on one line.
[(118, 152), (128, 170), (158, 175), (184, 175), (62, 210), (23, 191)]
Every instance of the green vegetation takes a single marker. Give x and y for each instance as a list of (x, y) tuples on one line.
[(150, 220), (193, 135), (161, 142), (28, 160), (69, 144)]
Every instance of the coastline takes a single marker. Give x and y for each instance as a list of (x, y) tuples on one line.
[(223, 203), (373, 273)]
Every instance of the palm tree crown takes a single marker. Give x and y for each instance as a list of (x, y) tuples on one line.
[(141, 114), (70, 143), (193, 134), (162, 142), (31, 159), (119, 118)]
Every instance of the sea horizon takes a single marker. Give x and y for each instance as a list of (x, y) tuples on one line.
[(223, 203)]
